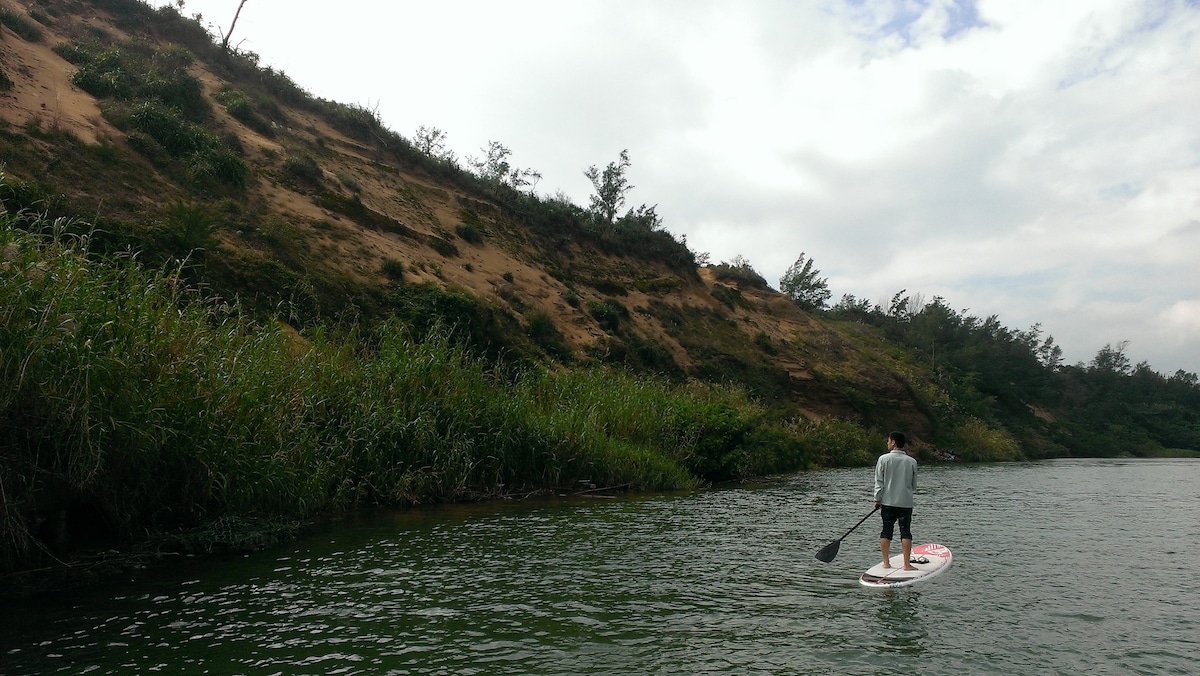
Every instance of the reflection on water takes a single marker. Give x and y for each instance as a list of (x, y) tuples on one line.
[(901, 627), (719, 581)]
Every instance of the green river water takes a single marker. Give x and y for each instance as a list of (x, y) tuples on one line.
[(1061, 567)]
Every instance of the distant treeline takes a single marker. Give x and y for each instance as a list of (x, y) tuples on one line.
[(1017, 380)]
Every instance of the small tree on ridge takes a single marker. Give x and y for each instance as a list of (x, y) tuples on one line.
[(611, 186), (802, 284)]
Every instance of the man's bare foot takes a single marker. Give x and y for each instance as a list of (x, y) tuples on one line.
[(886, 565), (907, 567)]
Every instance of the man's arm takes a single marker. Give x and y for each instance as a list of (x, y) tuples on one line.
[(878, 479)]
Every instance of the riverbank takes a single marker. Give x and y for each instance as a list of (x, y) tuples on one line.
[(138, 412), (135, 408)]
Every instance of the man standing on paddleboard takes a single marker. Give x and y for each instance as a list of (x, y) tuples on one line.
[(895, 482)]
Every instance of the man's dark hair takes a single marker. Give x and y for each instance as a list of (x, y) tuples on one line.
[(898, 437)]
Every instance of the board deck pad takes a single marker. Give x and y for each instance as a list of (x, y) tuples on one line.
[(936, 559)]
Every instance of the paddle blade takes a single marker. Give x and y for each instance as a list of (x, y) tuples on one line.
[(829, 551)]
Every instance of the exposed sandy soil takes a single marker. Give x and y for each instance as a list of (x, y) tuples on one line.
[(503, 269), (43, 94), (42, 91)]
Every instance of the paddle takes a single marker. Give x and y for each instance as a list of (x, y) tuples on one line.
[(830, 550)]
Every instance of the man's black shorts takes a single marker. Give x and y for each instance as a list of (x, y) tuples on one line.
[(892, 516)]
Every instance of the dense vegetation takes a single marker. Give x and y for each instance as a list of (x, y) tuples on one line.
[(133, 405), (1015, 380)]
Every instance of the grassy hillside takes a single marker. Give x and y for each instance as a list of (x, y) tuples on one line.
[(312, 212)]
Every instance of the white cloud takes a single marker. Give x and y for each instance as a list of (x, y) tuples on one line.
[(1182, 320), (1038, 160)]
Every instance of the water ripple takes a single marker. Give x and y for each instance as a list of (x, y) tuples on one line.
[(720, 581)]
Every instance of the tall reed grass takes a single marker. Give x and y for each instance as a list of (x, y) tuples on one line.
[(976, 441), (808, 444), (128, 397)]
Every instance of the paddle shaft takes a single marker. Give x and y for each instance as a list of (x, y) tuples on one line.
[(830, 550), (859, 523)]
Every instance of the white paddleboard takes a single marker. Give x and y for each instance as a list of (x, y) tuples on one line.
[(932, 560)]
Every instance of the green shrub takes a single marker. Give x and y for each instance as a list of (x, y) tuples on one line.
[(469, 233), (976, 441), (303, 167), (190, 227), (719, 430), (542, 331), (100, 75), (608, 313), (835, 442), (763, 341), (156, 130), (730, 297), (648, 355), (35, 197), (657, 286), (73, 53), (45, 18), (610, 288), (179, 90), (443, 246), (741, 273), (238, 105), (356, 121), (218, 165), (470, 217), (138, 73), (775, 449), (147, 147), (392, 269), (106, 150), (512, 298), (17, 23), (158, 104), (349, 182), (165, 125)]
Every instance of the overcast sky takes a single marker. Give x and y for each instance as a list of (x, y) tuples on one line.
[(1031, 159)]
